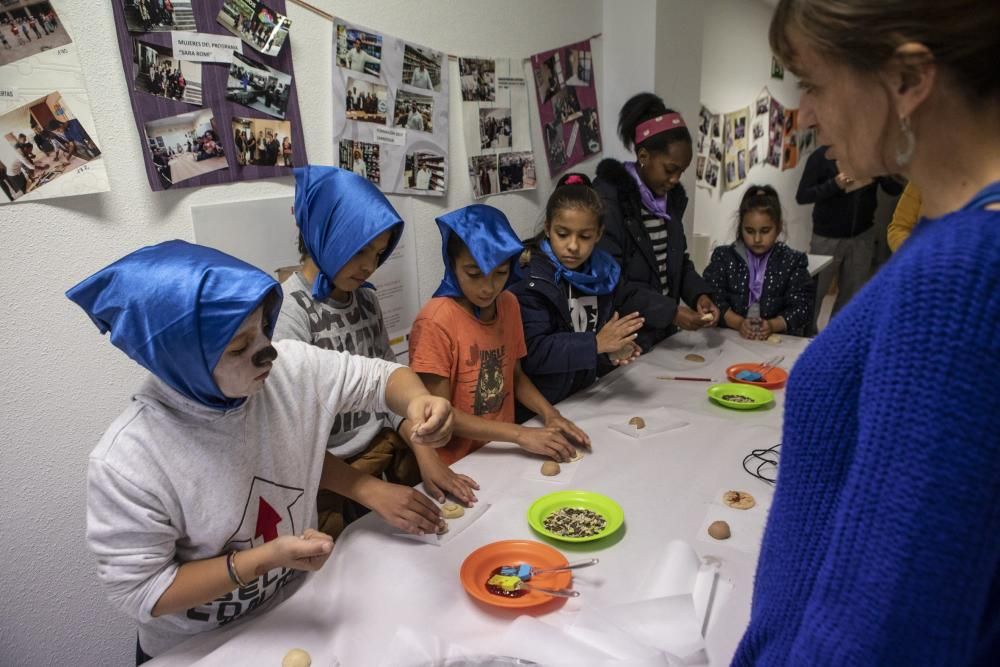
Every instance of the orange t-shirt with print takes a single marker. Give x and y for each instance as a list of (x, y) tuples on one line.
[(478, 358)]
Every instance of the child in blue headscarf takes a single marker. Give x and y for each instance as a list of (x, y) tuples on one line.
[(567, 298), (347, 229), (201, 495), (467, 340)]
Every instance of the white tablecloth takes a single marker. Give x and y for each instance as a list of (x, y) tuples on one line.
[(376, 583)]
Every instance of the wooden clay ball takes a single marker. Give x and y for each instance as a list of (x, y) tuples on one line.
[(719, 530), (296, 658)]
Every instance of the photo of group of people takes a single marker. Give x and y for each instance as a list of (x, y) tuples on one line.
[(422, 67), (258, 86), (159, 15), (362, 158), (257, 24), (413, 111), (262, 142), (367, 102), (29, 29), (359, 51), (775, 132), (159, 73), (709, 149), (43, 141), (483, 175), (495, 127), (424, 171), (185, 146), (478, 76), (517, 171), (567, 104)]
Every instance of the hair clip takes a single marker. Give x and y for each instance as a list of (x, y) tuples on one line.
[(574, 179)]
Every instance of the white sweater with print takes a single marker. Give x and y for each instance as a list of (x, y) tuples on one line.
[(173, 481)]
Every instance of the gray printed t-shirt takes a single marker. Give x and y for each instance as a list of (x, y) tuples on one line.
[(355, 327)]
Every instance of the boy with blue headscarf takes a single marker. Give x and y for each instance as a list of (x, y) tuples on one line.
[(467, 341), (201, 495), (347, 229)]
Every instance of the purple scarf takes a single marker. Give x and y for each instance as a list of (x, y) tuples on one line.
[(655, 205), (758, 267)]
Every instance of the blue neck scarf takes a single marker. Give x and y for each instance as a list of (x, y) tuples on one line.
[(174, 307), (655, 205), (599, 274), (338, 214), (487, 234)]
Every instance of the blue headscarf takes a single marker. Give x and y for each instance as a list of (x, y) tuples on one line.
[(174, 307), (487, 234), (338, 214), (599, 274)]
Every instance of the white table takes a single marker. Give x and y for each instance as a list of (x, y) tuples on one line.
[(376, 582), (818, 262)]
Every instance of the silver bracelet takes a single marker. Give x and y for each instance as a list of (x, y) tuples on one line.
[(234, 575)]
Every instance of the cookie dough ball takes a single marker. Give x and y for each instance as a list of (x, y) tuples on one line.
[(774, 339), (550, 468), (577, 455), (719, 530), (638, 422), (697, 358), (739, 500), (707, 317), (296, 658), (452, 510)]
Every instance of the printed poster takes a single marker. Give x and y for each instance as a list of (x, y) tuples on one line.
[(708, 165), (567, 105), (790, 140), (760, 130), (734, 133), (495, 126), (48, 141), (390, 115), (776, 129)]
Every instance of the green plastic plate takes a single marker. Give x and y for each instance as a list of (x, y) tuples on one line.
[(759, 397), (595, 502)]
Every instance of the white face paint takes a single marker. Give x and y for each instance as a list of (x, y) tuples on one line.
[(236, 374)]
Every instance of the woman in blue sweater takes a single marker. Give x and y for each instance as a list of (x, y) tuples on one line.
[(882, 542), (762, 286), (566, 299)]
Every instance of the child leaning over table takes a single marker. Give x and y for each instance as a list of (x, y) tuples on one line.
[(347, 229), (201, 495), (467, 341)]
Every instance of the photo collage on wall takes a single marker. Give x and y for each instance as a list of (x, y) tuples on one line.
[(390, 116), (213, 89), (708, 156)]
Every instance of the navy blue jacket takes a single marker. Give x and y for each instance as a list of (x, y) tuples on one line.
[(560, 360), (626, 239)]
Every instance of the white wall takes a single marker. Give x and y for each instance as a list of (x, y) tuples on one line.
[(63, 383), (629, 37), (736, 65)]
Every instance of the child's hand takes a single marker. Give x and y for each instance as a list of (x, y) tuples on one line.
[(547, 441), (404, 508), (707, 307), (687, 319), (626, 355), (618, 332), (568, 428), (306, 552), (747, 329), (439, 479), (432, 420), (765, 330)]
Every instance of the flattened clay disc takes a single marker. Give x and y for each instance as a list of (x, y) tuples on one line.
[(697, 358)]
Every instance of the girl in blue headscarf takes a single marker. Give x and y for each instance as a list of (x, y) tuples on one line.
[(567, 298)]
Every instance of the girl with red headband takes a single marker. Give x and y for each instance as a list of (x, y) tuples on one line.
[(643, 206)]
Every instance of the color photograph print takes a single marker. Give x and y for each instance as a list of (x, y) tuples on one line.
[(362, 158), (422, 67), (789, 143), (495, 127), (257, 86), (483, 175), (262, 142), (28, 28), (566, 92), (366, 102), (158, 73), (257, 24), (425, 172), (413, 111), (478, 77), (360, 51), (776, 129), (159, 16), (43, 142), (517, 171), (185, 146)]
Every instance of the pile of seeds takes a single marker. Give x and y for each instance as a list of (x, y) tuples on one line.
[(737, 398), (573, 522)]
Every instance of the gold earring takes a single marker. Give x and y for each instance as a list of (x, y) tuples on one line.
[(905, 153)]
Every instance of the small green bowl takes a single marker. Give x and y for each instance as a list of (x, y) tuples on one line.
[(595, 502), (758, 395)]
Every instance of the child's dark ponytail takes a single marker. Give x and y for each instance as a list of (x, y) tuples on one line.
[(761, 198)]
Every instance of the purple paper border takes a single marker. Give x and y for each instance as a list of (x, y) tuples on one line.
[(587, 97), (213, 79)]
